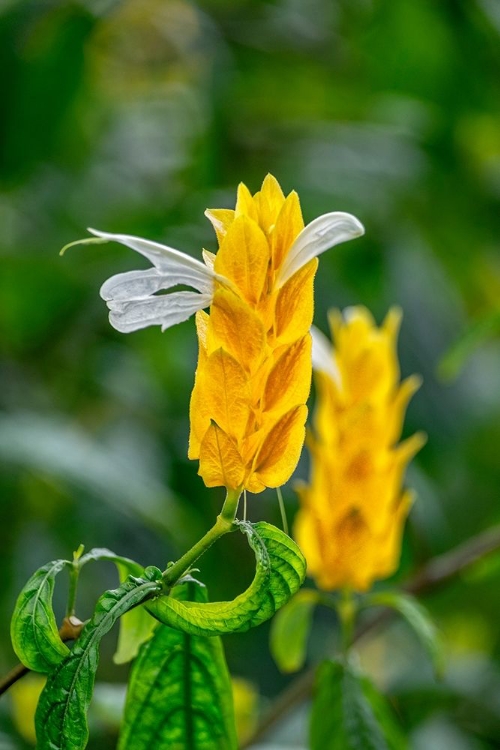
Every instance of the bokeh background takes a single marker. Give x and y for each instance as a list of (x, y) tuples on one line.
[(134, 117)]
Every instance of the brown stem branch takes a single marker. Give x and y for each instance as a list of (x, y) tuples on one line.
[(13, 676), (441, 569), (435, 573)]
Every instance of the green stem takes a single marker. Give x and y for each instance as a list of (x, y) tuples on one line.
[(222, 525), (347, 609), (73, 581), (73, 584)]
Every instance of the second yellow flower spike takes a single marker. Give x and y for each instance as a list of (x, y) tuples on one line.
[(353, 510)]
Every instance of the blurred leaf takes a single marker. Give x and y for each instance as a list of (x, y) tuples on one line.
[(56, 446), (384, 715), (280, 571), (349, 714), (137, 625), (478, 333), (180, 692), (61, 717), (290, 630), (34, 631), (418, 618)]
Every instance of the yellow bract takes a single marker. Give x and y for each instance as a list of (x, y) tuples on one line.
[(352, 513), (254, 367)]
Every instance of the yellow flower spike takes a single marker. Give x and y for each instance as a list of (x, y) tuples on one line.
[(353, 510), (253, 376)]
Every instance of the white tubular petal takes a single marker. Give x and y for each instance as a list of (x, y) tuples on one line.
[(321, 234), (137, 285), (168, 261), (166, 310), (322, 355)]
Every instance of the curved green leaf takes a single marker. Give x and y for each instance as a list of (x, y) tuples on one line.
[(33, 629), (280, 571), (61, 717), (349, 714), (419, 620), (179, 693), (290, 629), (102, 553), (137, 625)]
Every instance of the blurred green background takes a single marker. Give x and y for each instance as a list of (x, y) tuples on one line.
[(134, 117)]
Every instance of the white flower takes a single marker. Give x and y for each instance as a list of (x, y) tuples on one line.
[(322, 355), (319, 235), (133, 298)]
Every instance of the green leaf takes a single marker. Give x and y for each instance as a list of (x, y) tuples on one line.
[(33, 629), (348, 713), (280, 571), (384, 715), (290, 629), (61, 717), (102, 553), (179, 695), (418, 618), (136, 627)]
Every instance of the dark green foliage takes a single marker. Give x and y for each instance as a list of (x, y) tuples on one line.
[(179, 695), (61, 717), (280, 571)]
